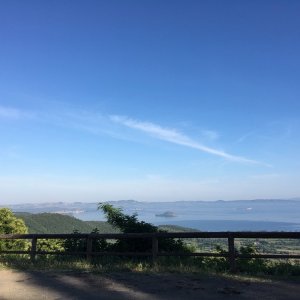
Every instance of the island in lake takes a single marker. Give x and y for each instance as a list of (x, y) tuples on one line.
[(167, 214)]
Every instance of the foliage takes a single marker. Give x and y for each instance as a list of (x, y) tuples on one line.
[(131, 224), (187, 265), (120, 222), (54, 245), (219, 264), (176, 228), (58, 223), (247, 264), (10, 224), (73, 245)]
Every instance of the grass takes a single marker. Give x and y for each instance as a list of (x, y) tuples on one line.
[(191, 265)]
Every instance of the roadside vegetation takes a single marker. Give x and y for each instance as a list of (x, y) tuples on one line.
[(117, 221), (59, 223), (9, 223)]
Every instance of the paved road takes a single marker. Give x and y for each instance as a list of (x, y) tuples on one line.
[(17, 285)]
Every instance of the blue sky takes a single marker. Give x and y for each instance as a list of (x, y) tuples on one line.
[(149, 100)]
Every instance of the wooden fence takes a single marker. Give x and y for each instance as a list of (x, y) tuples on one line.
[(231, 254)]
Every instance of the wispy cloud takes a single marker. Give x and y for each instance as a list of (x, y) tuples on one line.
[(174, 136), (244, 137), (99, 124), (13, 113), (210, 134), (9, 113)]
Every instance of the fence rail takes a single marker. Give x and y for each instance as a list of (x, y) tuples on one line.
[(231, 254)]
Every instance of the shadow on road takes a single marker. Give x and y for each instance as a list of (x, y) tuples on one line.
[(63, 285), (16, 284)]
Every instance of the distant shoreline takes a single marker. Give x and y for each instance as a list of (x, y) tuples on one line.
[(233, 225), (259, 215)]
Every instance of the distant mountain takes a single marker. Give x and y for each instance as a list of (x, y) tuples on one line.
[(54, 207), (295, 199)]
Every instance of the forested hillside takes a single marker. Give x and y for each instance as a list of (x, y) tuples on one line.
[(58, 223)]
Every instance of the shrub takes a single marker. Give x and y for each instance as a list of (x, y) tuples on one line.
[(79, 245), (10, 224), (250, 264), (131, 224)]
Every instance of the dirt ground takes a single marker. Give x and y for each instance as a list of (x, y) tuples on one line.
[(39, 285)]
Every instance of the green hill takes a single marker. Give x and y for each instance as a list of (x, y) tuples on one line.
[(58, 223), (176, 228)]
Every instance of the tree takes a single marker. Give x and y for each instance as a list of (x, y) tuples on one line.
[(10, 224), (131, 224), (79, 245)]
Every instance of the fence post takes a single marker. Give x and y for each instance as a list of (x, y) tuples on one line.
[(33, 249), (231, 254), (89, 248), (154, 249)]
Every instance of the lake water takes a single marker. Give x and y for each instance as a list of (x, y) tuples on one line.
[(206, 225), (252, 215), (229, 225), (211, 217)]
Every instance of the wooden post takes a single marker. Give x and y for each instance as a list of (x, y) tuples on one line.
[(154, 249), (231, 254), (89, 248), (33, 249)]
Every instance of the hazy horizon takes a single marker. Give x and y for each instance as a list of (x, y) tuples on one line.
[(158, 201)]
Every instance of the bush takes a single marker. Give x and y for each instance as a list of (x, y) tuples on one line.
[(50, 245), (10, 224), (250, 264), (131, 224), (79, 245)]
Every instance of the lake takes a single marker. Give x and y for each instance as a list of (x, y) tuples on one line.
[(241, 215)]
